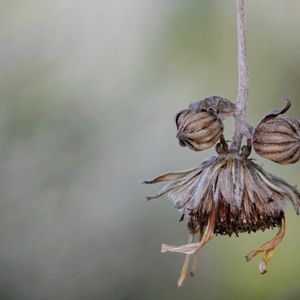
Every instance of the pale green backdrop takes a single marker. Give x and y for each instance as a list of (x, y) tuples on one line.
[(88, 94)]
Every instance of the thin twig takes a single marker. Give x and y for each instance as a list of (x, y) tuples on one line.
[(241, 127), (242, 56)]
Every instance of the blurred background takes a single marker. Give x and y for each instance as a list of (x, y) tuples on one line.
[(88, 94)]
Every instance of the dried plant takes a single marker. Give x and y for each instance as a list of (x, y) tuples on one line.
[(229, 193)]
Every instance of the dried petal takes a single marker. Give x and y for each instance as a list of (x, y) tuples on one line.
[(268, 247), (185, 266), (169, 176), (191, 248)]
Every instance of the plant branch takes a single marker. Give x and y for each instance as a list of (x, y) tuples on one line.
[(242, 57), (241, 128)]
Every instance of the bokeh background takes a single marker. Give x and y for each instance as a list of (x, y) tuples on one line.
[(88, 94)]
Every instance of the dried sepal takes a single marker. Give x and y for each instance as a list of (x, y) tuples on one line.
[(278, 137), (220, 105), (280, 111)]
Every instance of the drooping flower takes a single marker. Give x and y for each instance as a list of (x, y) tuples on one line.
[(228, 194)]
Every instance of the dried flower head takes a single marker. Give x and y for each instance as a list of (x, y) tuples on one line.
[(229, 193), (278, 138)]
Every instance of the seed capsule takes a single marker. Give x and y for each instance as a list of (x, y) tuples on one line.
[(278, 138), (198, 130)]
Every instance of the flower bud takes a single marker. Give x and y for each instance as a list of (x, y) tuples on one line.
[(198, 130), (278, 138)]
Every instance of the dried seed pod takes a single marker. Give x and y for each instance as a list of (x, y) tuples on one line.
[(198, 130), (278, 138)]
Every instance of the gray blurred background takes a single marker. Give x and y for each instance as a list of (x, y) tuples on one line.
[(88, 94)]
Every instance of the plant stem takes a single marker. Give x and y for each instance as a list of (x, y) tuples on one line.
[(241, 128)]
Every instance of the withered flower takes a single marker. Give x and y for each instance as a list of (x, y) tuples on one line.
[(278, 138), (228, 194)]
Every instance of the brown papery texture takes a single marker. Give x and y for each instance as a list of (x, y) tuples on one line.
[(278, 137), (242, 195), (198, 130)]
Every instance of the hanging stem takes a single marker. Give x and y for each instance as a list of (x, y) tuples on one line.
[(242, 57), (241, 127)]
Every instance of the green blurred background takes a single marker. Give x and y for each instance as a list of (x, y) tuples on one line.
[(89, 90)]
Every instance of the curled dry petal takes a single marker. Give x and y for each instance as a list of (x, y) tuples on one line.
[(169, 176), (268, 248), (191, 248), (280, 111)]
